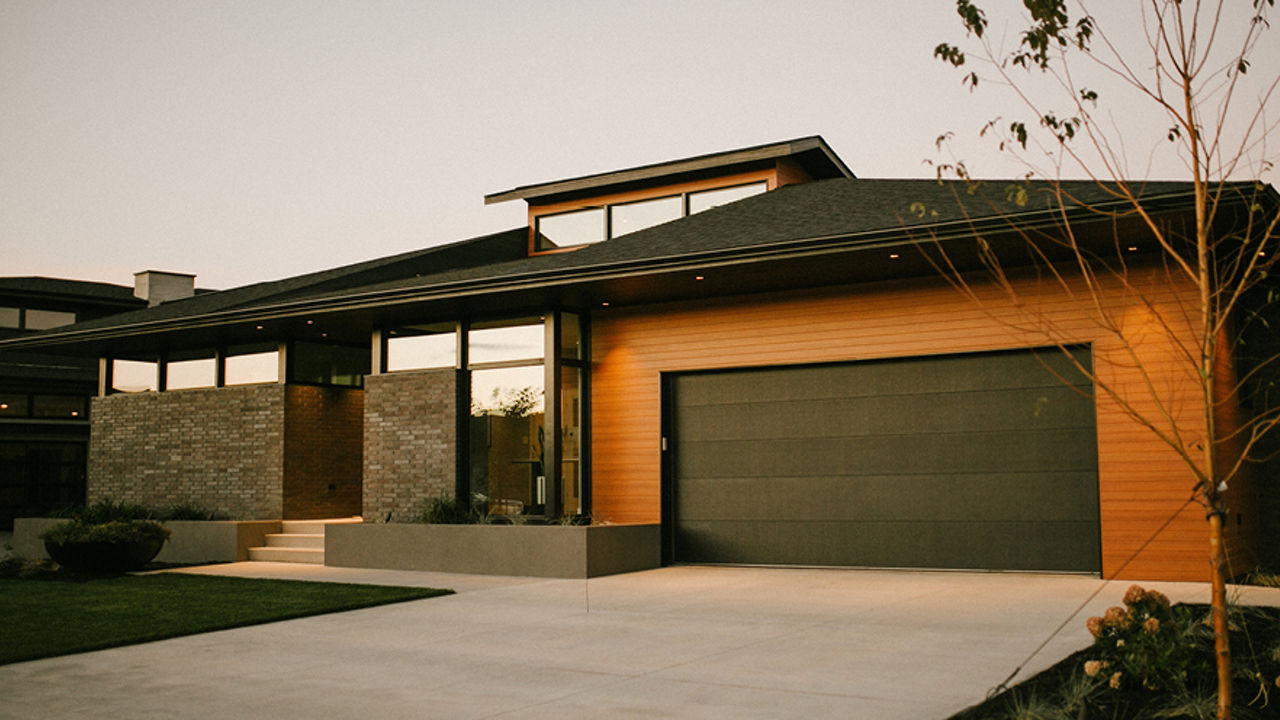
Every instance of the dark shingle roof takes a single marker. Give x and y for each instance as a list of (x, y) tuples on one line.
[(829, 214)]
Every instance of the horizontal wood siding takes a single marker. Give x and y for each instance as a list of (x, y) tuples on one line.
[(1143, 482)]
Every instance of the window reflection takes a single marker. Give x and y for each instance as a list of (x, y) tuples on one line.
[(507, 439), (572, 228), (521, 339), (252, 364), (708, 199), (131, 376), (419, 347), (635, 216), (187, 374)]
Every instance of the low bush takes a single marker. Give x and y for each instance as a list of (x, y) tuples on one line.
[(442, 510), (115, 531)]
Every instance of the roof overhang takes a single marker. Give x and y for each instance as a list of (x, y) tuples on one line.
[(804, 263)]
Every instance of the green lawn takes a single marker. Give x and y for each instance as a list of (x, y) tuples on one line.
[(44, 618)]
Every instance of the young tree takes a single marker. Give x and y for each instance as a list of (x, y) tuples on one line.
[(1194, 74)]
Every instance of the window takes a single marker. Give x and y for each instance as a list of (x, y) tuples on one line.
[(13, 405), (507, 439), (582, 227), (183, 373), (707, 199), (324, 364), (421, 347), (132, 376), (33, 319), (572, 228), (508, 340), (65, 407), (635, 216), (250, 364)]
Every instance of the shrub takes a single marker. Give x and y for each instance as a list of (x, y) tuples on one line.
[(115, 531), (105, 511), (443, 510), (1147, 644)]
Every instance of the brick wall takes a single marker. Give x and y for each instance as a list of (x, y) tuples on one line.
[(220, 448), (322, 451), (409, 441)]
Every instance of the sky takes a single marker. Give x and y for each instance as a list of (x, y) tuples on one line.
[(250, 140)]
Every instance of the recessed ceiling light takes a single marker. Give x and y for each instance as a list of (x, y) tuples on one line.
[(309, 322), (604, 304), (894, 256), (699, 277), (259, 327), (1133, 248)]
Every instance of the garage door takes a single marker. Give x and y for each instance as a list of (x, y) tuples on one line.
[(962, 461)]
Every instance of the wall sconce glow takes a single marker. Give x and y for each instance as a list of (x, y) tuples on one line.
[(4, 406), (604, 304), (894, 256), (1133, 248), (310, 322), (257, 327), (699, 277)]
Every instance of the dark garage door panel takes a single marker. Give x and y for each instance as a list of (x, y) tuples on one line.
[(974, 461)]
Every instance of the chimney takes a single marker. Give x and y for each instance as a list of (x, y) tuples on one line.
[(156, 286)]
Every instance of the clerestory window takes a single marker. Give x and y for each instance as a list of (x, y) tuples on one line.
[(594, 224)]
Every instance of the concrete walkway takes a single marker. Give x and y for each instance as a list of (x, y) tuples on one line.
[(680, 642)]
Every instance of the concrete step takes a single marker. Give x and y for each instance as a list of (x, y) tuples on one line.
[(313, 541), (313, 527), (287, 554)]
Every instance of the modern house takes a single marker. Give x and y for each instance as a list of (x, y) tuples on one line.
[(751, 349), (44, 399)]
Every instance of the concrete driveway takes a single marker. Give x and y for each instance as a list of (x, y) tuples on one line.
[(679, 642)]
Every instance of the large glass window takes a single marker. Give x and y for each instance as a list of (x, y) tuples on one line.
[(420, 347), (250, 364), (707, 199), (508, 442), (131, 376), (571, 228), (184, 373), (526, 438), (635, 216)]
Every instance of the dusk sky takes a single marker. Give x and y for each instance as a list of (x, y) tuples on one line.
[(246, 140)]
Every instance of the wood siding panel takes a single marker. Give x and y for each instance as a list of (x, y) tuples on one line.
[(1143, 482)]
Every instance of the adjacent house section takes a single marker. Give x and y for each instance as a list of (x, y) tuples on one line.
[(753, 350), (44, 397)]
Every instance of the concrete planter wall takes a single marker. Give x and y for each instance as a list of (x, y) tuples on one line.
[(192, 541), (530, 550)]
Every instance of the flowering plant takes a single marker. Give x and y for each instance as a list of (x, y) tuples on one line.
[(1146, 643)]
